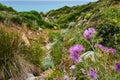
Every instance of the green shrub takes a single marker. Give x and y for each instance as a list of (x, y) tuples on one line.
[(56, 52), (5, 8), (35, 53), (109, 34), (47, 62), (2, 18), (54, 35)]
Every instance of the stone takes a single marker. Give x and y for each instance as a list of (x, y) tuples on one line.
[(88, 54), (73, 67), (40, 29), (30, 76), (30, 33)]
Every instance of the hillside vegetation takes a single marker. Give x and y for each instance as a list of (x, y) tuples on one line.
[(94, 10), (31, 19), (69, 43)]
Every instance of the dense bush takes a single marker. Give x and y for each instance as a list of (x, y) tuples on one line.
[(109, 34), (5, 8), (2, 18)]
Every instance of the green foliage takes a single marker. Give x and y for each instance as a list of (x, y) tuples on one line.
[(103, 66), (66, 14), (56, 52), (54, 36), (47, 62), (34, 54), (5, 8), (32, 19), (2, 18), (56, 73), (109, 34)]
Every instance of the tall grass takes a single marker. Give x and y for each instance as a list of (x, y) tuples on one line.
[(11, 55), (9, 49)]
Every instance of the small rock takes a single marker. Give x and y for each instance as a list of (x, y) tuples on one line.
[(38, 33), (55, 27), (30, 33), (88, 54), (73, 67), (30, 76), (40, 29)]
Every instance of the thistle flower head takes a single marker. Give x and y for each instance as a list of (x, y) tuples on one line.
[(117, 67), (66, 77), (83, 71), (92, 74), (88, 33), (74, 53)]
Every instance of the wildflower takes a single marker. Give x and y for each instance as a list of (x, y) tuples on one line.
[(66, 77), (75, 58), (113, 51), (74, 78), (92, 74), (105, 49), (89, 32), (57, 78), (86, 34), (98, 45), (76, 48), (42, 78), (74, 53), (83, 71), (117, 67)]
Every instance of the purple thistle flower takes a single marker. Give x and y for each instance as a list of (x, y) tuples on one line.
[(57, 78), (98, 45), (89, 32), (92, 74), (105, 49), (83, 72), (74, 50), (66, 77), (113, 51), (86, 34), (42, 78), (75, 57), (117, 67), (74, 78)]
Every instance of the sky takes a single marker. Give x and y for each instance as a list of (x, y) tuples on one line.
[(42, 5)]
